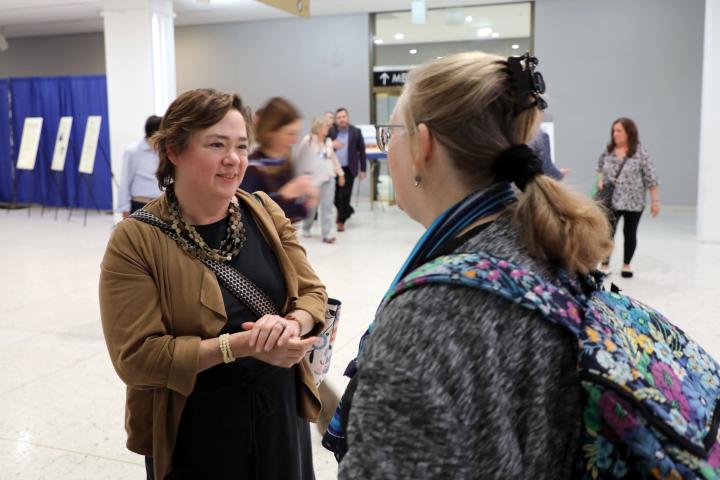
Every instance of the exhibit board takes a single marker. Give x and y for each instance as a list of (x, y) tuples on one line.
[(29, 143), (61, 143), (90, 144)]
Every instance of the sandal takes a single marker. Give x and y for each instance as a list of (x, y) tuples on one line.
[(626, 272)]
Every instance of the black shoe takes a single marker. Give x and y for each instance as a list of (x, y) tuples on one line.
[(626, 273)]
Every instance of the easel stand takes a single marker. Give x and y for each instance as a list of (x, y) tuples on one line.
[(13, 203), (58, 186), (85, 178)]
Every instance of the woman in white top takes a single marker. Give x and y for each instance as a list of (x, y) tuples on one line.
[(320, 162)]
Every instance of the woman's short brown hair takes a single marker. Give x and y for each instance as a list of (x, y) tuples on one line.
[(191, 111), (276, 113)]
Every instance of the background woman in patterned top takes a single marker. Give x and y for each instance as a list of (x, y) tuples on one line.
[(637, 176)]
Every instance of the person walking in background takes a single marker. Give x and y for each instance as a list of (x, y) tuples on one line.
[(626, 164), (541, 145), (138, 184), (319, 159), (270, 168), (350, 148)]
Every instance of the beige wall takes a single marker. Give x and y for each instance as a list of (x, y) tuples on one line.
[(78, 54), (319, 64)]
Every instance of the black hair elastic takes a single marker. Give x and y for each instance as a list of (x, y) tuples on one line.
[(518, 164)]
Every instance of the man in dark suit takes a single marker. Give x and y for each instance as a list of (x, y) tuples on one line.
[(350, 150)]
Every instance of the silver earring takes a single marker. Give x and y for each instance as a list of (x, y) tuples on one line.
[(417, 180)]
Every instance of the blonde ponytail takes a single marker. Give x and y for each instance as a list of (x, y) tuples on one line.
[(561, 226)]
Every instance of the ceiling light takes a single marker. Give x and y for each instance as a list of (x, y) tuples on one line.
[(413, 51), (515, 46), (494, 34), (484, 32), (468, 19), (3, 43), (438, 58), (399, 36), (378, 41)]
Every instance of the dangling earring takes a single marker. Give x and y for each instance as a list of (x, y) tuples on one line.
[(417, 180)]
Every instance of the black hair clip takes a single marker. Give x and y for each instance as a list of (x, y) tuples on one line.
[(528, 84)]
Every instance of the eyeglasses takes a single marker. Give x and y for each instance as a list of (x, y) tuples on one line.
[(383, 133)]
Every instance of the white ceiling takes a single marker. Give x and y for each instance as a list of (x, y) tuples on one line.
[(26, 18)]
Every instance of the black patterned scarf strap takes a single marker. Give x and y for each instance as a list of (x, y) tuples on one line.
[(238, 284)]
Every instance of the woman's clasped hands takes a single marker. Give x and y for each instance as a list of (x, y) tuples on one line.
[(277, 340)]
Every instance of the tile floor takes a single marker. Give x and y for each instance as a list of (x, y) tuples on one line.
[(62, 405)]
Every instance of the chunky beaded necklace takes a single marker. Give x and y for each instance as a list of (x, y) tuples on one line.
[(193, 244)]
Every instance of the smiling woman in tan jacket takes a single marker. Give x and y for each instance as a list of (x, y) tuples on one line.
[(212, 390)]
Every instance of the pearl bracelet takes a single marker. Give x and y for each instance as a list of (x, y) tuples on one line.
[(224, 343)]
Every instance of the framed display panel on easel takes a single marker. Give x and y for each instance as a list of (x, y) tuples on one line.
[(27, 153), (87, 158), (57, 167)]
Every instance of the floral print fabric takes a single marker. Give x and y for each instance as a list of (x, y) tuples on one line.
[(651, 392)]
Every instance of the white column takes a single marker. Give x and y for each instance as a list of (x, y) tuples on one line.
[(708, 211), (140, 68)]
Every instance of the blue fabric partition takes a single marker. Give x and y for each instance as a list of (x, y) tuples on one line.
[(34, 97), (52, 98), (6, 170)]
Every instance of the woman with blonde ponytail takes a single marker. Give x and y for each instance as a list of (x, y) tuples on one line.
[(453, 381)]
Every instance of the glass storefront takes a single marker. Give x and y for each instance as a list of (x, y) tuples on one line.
[(400, 44)]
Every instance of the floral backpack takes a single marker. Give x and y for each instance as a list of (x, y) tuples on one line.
[(650, 393)]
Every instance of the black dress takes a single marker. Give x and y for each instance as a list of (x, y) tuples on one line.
[(241, 421)]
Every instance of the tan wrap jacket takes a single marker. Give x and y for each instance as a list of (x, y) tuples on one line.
[(157, 303)]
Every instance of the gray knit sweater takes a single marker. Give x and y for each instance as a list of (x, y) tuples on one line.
[(457, 383)]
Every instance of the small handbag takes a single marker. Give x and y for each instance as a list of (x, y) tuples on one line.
[(604, 196), (260, 304)]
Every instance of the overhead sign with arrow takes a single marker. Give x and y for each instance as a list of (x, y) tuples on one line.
[(300, 8), (390, 78)]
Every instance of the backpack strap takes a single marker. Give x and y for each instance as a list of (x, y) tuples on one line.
[(500, 277)]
